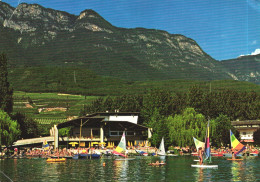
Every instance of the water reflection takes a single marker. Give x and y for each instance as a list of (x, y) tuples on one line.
[(120, 169), (236, 170), (176, 169)]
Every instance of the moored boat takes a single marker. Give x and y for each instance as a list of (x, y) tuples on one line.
[(56, 160)]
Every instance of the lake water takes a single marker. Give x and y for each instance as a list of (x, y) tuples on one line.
[(177, 169)]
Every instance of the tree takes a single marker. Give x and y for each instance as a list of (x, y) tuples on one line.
[(195, 97), (160, 100), (183, 127), (221, 127), (9, 129), (6, 99), (28, 127), (256, 137), (159, 128)]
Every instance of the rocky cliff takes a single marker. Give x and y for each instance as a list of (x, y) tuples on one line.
[(42, 36)]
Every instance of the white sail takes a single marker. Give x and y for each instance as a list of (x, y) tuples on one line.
[(161, 148)]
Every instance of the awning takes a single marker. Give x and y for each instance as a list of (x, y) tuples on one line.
[(247, 141)]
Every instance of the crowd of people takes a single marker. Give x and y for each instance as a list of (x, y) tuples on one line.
[(64, 152)]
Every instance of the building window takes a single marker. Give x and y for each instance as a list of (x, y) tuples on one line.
[(113, 133), (130, 133), (120, 133)]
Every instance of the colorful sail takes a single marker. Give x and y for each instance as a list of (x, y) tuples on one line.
[(235, 144), (162, 148), (121, 148), (207, 145), (198, 143)]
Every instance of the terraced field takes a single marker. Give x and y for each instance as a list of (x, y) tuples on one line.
[(48, 108)]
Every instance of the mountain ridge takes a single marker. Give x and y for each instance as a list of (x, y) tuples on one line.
[(43, 36)]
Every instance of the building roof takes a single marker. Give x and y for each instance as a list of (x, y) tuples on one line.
[(97, 119), (246, 122), (122, 125), (86, 121), (113, 114)]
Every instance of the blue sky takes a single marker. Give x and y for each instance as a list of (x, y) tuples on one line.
[(224, 29)]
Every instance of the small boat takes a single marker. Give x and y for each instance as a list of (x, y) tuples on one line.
[(235, 159), (254, 154), (217, 154), (230, 155), (236, 145), (207, 152), (141, 152), (95, 156), (121, 148), (204, 166), (162, 149), (156, 164), (124, 159), (56, 160)]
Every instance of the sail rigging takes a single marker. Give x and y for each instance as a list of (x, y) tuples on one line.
[(162, 148), (207, 146), (198, 143), (235, 144), (121, 148)]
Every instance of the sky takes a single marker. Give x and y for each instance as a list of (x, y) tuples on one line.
[(224, 29)]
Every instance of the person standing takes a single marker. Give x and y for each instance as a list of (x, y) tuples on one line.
[(200, 155)]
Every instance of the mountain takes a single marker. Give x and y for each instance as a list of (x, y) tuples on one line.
[(32, 35), (244, 68)]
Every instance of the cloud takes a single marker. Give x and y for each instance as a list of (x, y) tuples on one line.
[(257, 51)]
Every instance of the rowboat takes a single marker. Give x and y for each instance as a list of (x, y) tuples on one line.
[(56, 160)]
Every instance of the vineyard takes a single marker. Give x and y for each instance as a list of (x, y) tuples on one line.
[(50, 108)]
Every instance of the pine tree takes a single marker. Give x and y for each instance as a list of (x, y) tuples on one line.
[(6, 99)]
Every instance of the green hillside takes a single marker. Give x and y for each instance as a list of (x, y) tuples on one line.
[(84, 82)]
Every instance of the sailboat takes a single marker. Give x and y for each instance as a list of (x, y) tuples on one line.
[(162, 148), (198, 144), (236, 145), (207, 155), (121, 148)]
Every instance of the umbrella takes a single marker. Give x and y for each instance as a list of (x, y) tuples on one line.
[(128, 143), (82, 144), (102, 143), (135, 142), (73, 143), (94, 143)]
